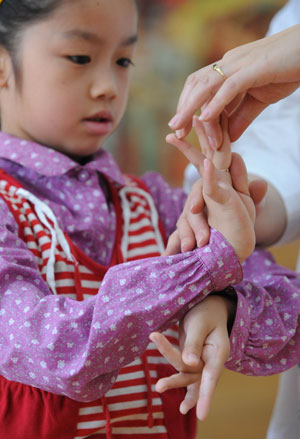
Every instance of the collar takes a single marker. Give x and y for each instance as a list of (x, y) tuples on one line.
[(49, 162)]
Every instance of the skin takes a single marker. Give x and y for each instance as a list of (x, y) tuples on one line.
[(72, 66), (257, 75)]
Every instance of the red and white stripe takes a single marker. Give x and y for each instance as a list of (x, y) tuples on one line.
[(124, 411)]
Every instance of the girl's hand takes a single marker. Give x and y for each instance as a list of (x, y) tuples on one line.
[(204, 343), (229, 206), (256, 75), (192, 225)]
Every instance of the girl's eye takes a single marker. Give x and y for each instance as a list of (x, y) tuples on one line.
[(79, 59), (125, 62)]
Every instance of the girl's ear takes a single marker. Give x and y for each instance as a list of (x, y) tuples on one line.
[(5, 67)]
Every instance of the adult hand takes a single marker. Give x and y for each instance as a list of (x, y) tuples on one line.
[(256, 75)]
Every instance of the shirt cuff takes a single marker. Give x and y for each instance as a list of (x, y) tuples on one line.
[(221, 262)]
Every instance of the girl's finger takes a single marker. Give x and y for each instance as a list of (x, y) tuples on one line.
[(215, 357), (194, 341), (177, 381), (214, 133), (192, 153), (167, 350), (211, 188), (191, 398), (202, 137)]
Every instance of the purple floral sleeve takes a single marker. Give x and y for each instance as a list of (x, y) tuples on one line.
[(77, 348), (265, 338)]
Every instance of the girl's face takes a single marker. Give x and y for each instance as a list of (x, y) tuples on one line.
[(74, 76)]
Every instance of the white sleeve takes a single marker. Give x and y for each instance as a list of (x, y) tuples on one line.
[(287, 16), (271, 145), (271, 149)]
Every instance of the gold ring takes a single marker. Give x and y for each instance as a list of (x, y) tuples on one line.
[(219, 70)]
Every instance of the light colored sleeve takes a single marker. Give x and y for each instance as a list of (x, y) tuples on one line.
[(270, 148), (287, 16), (271, 144)]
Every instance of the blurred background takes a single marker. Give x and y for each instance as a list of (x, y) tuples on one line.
[(178, 37)]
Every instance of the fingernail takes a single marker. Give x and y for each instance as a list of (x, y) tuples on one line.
[(180, 134), (212, 142), (204, 115), (173, 121)]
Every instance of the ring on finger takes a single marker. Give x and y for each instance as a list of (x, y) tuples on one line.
[(218, 69)]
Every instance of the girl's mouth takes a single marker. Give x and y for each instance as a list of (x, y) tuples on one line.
[(99, 124)]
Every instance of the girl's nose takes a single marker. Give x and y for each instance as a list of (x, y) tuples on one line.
[(104, 86)]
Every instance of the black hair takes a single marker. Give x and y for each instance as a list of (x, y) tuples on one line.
[(16, 15)]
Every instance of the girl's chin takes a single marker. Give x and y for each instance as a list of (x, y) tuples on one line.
[(82, 152)]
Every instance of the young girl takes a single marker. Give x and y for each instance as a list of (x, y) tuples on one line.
[(72, 227)]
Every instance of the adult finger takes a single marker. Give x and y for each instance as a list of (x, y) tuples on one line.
[(193, 154), (232, 87), (186, 234), (199, 87), (222, 156), (173, 245), (233, 105), (258, 190), (239, 176), (193, 229), (195, 201), (244, 115)]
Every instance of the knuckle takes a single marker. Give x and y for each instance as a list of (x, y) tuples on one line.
[(191, 80)]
